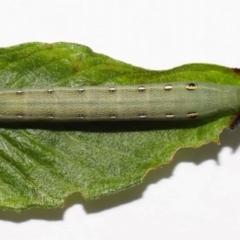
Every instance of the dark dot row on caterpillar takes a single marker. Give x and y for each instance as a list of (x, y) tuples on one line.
[(189, 86), (143, 115), (168, 87), (114, 116), (189, 115), (20, 92), (20, 115)]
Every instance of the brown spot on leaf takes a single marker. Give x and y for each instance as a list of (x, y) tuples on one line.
[(80, 57), (234, 121), (76, 66), (75, 69), (26, 54)]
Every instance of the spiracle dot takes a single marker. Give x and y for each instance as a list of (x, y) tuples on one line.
[(142, 115), (50, 91)]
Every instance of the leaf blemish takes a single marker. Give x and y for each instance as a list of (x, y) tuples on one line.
[(80, 57), (75, 69), (235, 121)]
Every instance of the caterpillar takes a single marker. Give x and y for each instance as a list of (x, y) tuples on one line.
[(161, 101)]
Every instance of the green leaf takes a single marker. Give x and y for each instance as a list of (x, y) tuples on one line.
[(41, 164)]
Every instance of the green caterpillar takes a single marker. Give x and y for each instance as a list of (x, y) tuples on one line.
[(164, 101)]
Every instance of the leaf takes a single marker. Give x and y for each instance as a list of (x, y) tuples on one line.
[(41, 164)]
